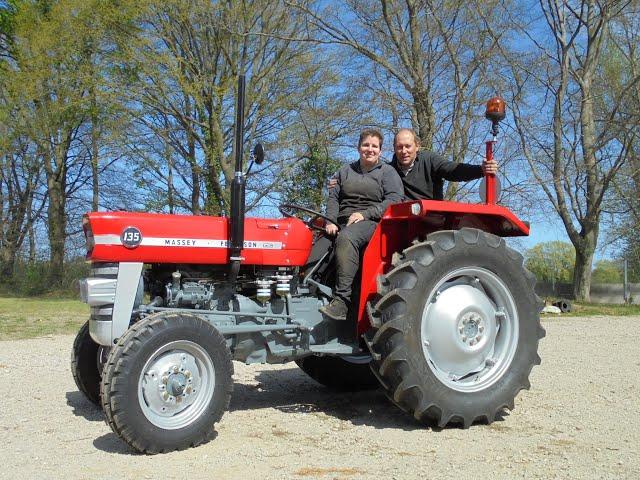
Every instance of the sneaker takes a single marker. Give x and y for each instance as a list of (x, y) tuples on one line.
[(336, 310)]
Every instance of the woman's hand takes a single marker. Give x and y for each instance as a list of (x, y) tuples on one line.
[(355, 218), (330, 228)]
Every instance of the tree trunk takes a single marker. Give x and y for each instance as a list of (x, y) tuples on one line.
[(582, 271), (56, 170), (170, 199), (94, 156), (424, 117), (215, 201), (195, 174)]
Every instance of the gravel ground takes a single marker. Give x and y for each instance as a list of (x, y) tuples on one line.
[(580, 420)]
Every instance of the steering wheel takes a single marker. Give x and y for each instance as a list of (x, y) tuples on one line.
[(309, 223)]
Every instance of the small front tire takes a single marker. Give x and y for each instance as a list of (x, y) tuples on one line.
[(167, 382)]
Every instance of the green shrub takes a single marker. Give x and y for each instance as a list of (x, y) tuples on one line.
[(32, 279)]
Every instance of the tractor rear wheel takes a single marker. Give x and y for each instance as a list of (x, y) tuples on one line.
[(340, 373), (167, 382), (87, 360), (459, 327)]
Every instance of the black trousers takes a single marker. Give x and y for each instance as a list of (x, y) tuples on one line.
[(350, 242)]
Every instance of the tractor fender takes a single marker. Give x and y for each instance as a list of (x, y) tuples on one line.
[(403, 223)]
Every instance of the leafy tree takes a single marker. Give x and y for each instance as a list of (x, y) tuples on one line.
[(54, 89), (306, 185), (607, 271), (551, 261)]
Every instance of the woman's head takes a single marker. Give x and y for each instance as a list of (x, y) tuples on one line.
[(370, 146)]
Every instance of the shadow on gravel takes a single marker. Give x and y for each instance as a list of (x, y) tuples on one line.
[(81, 407), (291, 391), (111, 443)]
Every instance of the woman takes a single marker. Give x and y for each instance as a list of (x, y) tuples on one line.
[(363, 192)]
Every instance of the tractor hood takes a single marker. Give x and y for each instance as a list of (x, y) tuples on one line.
[(161, 238)]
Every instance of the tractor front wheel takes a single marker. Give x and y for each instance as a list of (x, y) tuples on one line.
[(167, 382), (459, 328)]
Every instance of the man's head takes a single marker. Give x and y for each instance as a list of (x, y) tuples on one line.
[(405, 145)]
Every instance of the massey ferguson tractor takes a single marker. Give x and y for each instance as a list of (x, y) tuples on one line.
[(447, 321)]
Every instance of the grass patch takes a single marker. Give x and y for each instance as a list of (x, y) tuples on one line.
[(39, 316), (601, 309)]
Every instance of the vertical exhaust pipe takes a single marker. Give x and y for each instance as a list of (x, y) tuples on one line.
[(236, 231)]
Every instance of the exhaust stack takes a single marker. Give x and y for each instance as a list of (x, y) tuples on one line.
[(236, 228)]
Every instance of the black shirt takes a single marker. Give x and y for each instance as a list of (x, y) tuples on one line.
[(369, 193), (426, 178)]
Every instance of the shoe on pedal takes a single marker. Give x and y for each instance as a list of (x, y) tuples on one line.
[(336, 310)]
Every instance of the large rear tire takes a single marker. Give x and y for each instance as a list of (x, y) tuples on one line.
[(458, 328), (339, 373), (167, 382)]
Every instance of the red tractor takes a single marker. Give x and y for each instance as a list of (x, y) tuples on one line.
[(447, 321)]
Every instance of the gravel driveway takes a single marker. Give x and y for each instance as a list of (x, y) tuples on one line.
[(581, 419)]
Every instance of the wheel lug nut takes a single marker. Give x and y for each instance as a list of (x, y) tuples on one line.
[(481, 329), (461, 329), (188, 390), (175, 369), (473, 341), (187, 373), (165, 379), (464, 339), (165, 396)]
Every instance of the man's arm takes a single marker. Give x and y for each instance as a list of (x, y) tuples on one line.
[(456, 172), (393, 192)]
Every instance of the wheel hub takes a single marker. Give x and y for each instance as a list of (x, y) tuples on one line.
[(459, 329), (469, 329), (175, 384)]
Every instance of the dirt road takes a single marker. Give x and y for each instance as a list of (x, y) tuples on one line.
[(581, 419)]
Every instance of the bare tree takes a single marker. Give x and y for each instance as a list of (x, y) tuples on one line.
[(576, 151), (434, 52), (188, 62), (20, 180)]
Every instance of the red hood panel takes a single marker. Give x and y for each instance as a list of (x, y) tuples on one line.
[(195, 239)]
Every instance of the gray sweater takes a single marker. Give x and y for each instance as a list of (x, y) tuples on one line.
[(369, 193)]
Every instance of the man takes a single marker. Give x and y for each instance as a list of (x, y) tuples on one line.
[(423, 173)]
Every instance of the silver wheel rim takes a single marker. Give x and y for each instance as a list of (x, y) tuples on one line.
[(176, 385), (469, 329)]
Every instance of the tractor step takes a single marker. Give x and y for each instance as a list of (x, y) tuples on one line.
[(336, 348)]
